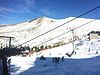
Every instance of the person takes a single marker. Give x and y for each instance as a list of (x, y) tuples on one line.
[(58, 60), (89, 50), (75, 53), (96, 52), (62, 58), (42, 58), (53, 59)]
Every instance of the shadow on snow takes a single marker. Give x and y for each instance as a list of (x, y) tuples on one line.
[(89, 66)]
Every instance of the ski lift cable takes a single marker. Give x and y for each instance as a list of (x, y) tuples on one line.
[(67, 32), (85, 23), (61, 25)]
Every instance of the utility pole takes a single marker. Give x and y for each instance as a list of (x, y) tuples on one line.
[(4, 66), (4, 57), (10, 41), (73, 38)]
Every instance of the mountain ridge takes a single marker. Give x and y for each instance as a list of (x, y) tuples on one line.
[(27, 30), (43, 17)]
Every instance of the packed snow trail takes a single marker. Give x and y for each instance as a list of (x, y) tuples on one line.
[(89, 66), (84, 62)]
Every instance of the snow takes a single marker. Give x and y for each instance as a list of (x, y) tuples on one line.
[(85, 62), (81, 63), (25, 31), (22, 63)]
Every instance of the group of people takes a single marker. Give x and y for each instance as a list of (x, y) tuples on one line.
[(57, 59)]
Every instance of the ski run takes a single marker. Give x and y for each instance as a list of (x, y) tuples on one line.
[(86, 60)]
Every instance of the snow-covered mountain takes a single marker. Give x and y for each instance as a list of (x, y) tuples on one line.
[(84, 60), (25, 31)]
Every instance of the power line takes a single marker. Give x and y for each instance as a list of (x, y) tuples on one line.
[(61, 25), (67, 32)]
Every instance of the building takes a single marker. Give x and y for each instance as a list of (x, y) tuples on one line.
[(94, 35)]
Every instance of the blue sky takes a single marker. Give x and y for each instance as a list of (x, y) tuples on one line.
[(15, 11)]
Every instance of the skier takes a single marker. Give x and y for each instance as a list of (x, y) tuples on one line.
[(58, 60), (62, 58), (96, 52)]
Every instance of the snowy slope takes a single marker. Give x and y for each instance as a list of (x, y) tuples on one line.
[(84, 62), (25, 31)]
